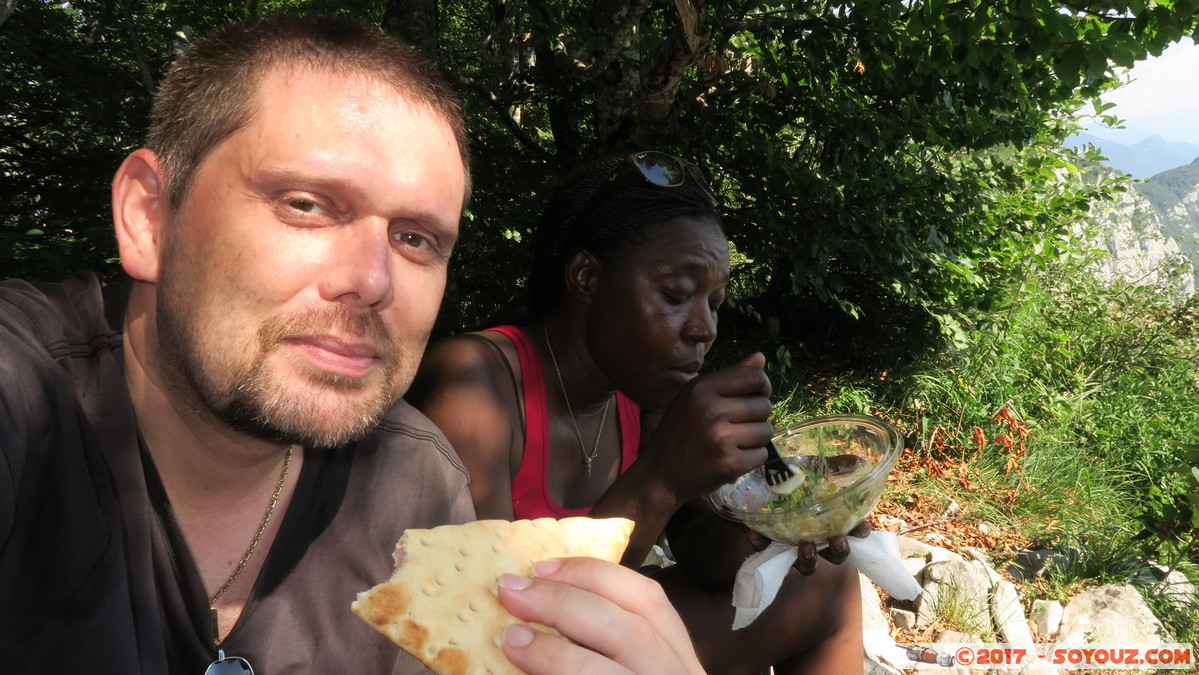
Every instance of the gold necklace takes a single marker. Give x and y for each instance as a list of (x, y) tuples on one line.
[(588, 457), (241, 565)]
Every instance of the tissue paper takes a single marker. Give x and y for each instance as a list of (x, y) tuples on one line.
[(761, 575)]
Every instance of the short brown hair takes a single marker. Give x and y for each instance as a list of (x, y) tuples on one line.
[(208, 93)]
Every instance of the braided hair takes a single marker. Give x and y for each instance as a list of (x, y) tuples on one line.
[(607, 208)]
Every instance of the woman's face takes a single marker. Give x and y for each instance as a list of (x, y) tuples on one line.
[(653, 316)]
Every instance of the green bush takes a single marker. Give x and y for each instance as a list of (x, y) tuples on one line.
[(1070, 413)]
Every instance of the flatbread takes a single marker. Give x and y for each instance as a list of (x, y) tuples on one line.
[(442, 604)]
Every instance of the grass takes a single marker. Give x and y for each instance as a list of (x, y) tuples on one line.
[(1068, 419)]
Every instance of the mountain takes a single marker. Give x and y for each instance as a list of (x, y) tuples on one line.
[(1175, 195), (1141, 158), (1151, 231)]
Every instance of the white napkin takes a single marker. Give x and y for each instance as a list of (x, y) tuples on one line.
[(761, 575)]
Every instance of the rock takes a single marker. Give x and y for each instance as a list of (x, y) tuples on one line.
[(873, 667), (912, 548), (1036, 563), (965, 592), (872, 612), (957, 637), (1008, 615), (913, 565), (1163, 581), (902, 618), (883, 656), (1046, 617), (1110, 613), (981, 565), (938, 554), (955, 590), (936, 538)]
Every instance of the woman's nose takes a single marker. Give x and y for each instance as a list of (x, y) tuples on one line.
[(701, 324)]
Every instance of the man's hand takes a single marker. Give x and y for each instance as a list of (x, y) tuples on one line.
[(620, 619)]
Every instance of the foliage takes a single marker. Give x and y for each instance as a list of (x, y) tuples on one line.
[(892, 181), (1069, 417), (884, 164), (70, 104)]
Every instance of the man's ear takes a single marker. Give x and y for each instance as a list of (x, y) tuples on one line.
[(138, 210), (582, 277)]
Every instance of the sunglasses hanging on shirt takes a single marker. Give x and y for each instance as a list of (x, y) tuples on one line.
[(229, 665)]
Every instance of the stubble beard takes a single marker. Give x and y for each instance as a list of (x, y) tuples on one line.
[(247, 396)]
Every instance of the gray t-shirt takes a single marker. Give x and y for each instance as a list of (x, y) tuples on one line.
[(94, 576)]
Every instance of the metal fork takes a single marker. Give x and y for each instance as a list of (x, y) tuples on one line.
[(776, 470)]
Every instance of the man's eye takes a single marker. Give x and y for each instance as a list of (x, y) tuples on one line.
[(410, 239), (673, 298), (302, 205)]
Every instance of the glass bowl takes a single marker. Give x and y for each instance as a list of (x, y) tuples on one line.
[(847, 455)]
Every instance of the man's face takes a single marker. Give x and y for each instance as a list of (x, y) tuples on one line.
[(300, 278)]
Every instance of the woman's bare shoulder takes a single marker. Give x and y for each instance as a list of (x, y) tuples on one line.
[(468, 360)]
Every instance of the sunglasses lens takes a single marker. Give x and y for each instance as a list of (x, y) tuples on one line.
[(230, 665), (660, 169)]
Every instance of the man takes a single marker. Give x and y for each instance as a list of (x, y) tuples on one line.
[(207, 467)]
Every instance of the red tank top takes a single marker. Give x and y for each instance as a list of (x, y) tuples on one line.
[(530, 488)]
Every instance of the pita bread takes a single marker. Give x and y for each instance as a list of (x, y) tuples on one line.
[(442, 603)]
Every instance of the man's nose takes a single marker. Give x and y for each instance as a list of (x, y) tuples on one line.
[(358, 272)]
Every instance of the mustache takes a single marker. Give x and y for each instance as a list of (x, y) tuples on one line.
[(338, 321)]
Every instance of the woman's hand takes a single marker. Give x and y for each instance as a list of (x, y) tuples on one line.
[(836, 552), (714, 430), (620, 619)]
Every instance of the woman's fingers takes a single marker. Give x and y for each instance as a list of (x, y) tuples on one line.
[(862, 529), (621, 617), (836, 552)]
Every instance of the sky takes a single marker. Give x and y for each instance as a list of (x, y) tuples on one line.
[(1163, 95)]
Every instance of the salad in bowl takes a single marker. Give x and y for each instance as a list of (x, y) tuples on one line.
[(840, 465)]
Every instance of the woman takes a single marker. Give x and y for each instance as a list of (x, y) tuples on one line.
[(593, 404)]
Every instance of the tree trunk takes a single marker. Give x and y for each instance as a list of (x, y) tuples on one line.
[(136, 45), (6, 10), (415, 22)]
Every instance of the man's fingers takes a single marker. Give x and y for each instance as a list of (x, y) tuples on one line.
[(604, 607), (540, 653)]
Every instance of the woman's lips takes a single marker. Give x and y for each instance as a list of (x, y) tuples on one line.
[(354, 360), (685, 373)]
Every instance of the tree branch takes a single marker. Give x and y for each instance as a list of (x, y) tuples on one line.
[(772, 23), (506, 119), (685, 48)]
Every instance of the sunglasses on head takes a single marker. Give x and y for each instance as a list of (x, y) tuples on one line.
[(666, 170)]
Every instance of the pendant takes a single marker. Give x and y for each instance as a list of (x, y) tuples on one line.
[(228, 665)]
